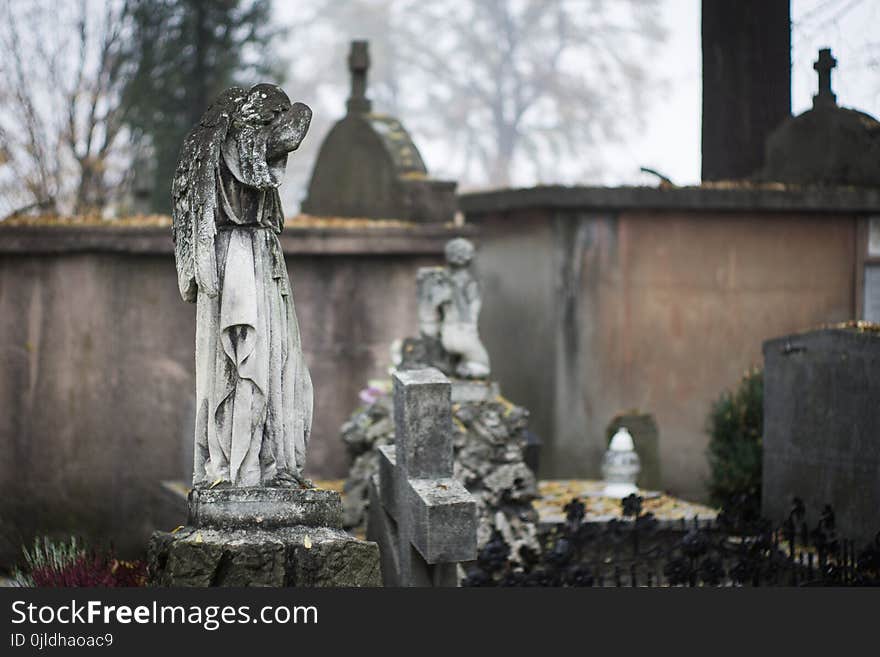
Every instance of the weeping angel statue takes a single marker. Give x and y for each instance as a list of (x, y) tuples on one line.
[(253, 390)]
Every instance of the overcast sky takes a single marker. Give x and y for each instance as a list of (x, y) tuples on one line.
[(670, 141)]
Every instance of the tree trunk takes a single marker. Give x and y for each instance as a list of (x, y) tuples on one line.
[(746, 82)]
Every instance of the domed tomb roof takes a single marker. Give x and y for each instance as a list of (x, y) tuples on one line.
[(826, 145), (368, 165)]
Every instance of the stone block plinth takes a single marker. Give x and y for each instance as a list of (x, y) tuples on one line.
[(266, 508), (263, 537)]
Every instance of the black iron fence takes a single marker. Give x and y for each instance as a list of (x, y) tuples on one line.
[(736, 549)]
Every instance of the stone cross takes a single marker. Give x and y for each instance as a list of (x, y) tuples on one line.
[(423, 519), (823, 67), (358, 65)]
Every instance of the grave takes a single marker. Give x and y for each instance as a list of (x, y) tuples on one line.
[(368, 165), (254, 519), (828, 144), (822, 426), (490, 434), (423, 519)]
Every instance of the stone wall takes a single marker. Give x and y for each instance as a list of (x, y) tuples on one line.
[(96, 356), (598, 301)]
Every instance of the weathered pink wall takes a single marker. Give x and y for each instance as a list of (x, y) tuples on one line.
[(97, 366), (589, 313), (684, 309)]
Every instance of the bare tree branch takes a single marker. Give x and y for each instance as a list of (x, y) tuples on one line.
[(63, 116)]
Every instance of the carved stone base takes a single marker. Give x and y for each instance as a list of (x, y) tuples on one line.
[(262, 537), (264, 508), (474, 390)]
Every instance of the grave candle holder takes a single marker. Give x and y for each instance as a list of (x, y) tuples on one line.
[(621, 466)]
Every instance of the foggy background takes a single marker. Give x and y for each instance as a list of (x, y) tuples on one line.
[(97, 95)]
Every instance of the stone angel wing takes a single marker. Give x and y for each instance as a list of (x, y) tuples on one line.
[(194, 197)]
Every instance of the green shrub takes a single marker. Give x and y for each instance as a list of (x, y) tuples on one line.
[(736, 425)]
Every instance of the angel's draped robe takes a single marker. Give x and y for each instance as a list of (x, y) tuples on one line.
[(253, 390)]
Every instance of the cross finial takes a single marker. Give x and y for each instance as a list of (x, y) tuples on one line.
[(358, 64), (823, 67)]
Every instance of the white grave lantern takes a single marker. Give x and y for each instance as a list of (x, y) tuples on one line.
[(621, 466)]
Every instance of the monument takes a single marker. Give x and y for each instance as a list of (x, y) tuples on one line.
[(826, 145), (449, 307), (369, 166), (489, 433), (821, 439), (423, 519), (253, 517)]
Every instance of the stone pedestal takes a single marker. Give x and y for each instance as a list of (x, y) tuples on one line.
[(263, 537)]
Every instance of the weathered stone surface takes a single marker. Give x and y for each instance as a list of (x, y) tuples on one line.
[(444, 524), (474, 391), (423, 421), (368, 165), (261, 536), (351, 563), (826, 145), (426, 351), (705, 294), (383, 529), (76, 284), (264, 507), (822, 427), (489, 438), (387, 459), (422, 514), (254, 520), (449, 305), (253, 413), (363, 434), (482, 206), (289, 556)]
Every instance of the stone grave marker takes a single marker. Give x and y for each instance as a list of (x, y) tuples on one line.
[(423, 519), (254, 519), (490, 435), (369, 166), (822, 426)]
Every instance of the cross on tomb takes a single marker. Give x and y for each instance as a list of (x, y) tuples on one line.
[(424, 520), (823, 67), (358, 65)]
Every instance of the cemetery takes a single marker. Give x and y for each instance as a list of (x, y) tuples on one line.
[(403, 383)]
